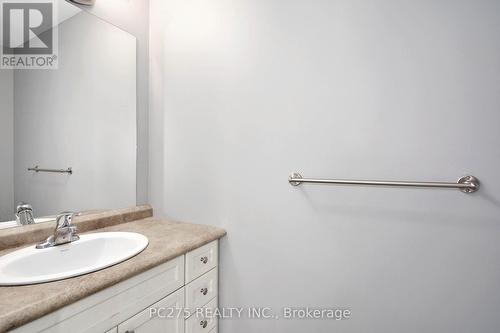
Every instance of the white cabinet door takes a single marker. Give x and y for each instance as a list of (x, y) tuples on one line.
[(113, 305), (171, 319)]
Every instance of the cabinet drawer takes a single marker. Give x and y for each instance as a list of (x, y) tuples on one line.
[(199, 323), (144, 322), (201, 260), (200, 291)]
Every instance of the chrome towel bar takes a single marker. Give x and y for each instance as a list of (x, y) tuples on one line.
[(466, 184), (37, 169)]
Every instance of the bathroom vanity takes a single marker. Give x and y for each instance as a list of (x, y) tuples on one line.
[(168, 287)]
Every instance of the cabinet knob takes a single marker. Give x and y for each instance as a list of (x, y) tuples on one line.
[(204, 291), (203, 323), (129, 331), (204, 259)]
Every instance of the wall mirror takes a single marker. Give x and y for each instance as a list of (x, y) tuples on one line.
[(81, 115)]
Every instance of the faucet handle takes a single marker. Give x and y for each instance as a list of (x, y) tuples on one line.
[(22, 206), (65, 231), (64, 219), (24, 214)]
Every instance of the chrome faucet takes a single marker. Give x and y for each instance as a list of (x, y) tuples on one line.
[(65, 232), (24, 214)]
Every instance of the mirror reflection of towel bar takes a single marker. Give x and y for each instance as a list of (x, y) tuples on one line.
[(466, 184), (37, 169)]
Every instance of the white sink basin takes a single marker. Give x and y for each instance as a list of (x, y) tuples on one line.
[(89, 254)]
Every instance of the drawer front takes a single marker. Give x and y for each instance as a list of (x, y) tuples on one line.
[(120, 302), (200, 323), (201, 260), (145, 322), (200, 291)]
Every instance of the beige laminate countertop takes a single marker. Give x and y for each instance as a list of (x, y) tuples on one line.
[(167, 240)]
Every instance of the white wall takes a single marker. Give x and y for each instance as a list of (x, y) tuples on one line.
[(7, 208), (244, 92), (82, 115)]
